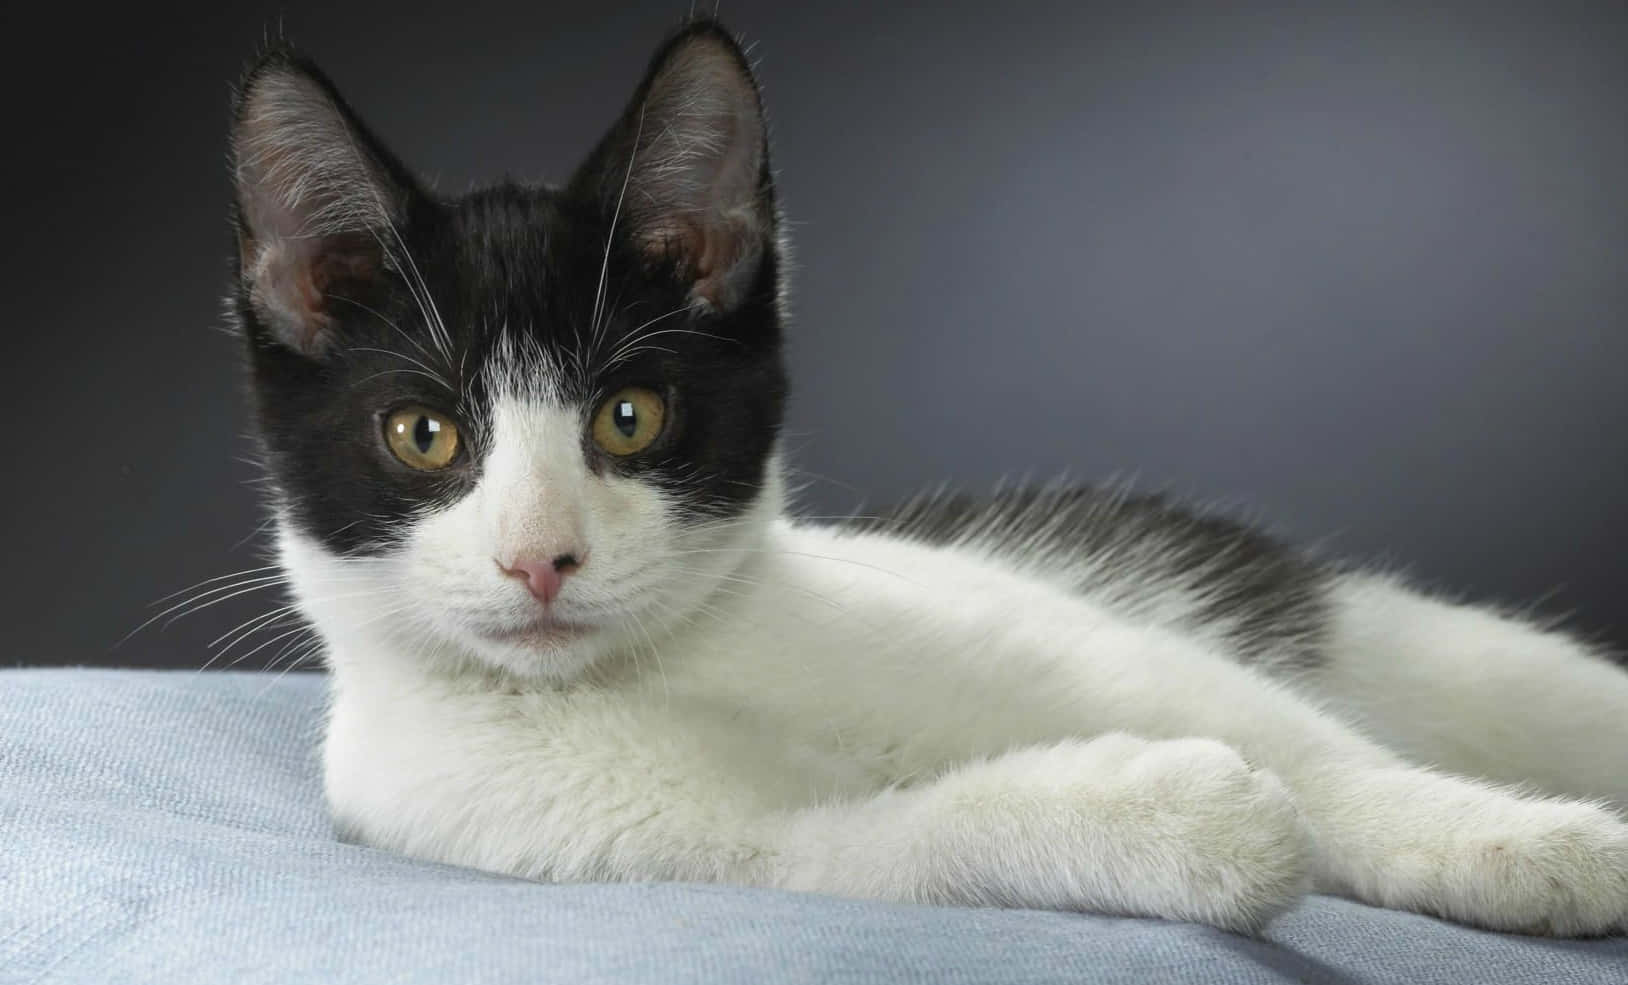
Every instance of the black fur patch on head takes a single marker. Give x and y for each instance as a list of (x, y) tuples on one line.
[(360, 292)]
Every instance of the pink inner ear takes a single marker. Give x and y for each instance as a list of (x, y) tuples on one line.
[(728, 248), (283, 289), (293, 280), (703, 253)]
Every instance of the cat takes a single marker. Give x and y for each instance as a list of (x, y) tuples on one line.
[(530, 490)]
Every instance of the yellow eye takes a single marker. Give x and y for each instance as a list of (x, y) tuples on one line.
[(421, 438), (629, 421)]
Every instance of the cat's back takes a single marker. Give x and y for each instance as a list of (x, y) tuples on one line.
[(1141, 555)]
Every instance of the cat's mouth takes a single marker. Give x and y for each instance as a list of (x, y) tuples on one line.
[(546, 632)]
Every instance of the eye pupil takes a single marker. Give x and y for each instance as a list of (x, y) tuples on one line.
[(424, 431), (625, 418), (628, 421), (421, 438)]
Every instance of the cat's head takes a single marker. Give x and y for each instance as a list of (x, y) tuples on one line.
[(528, 426)]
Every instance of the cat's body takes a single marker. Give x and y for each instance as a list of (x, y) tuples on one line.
[(580, 639), (869, 716)]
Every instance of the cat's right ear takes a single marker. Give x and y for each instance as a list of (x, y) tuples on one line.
[(684, 175), (317, 201)]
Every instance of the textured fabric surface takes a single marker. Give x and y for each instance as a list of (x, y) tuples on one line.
[(168, 828)]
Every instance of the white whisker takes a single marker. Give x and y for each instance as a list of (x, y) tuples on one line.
[(594, 326), (402, 355)]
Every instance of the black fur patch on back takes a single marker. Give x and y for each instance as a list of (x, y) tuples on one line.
[(1132, 552)]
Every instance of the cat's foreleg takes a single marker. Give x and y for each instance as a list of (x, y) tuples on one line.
[(1182, 829), (584, 789)]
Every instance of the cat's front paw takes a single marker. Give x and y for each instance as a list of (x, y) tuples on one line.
[(1231, 835), (1555, 868), (1183, 829)]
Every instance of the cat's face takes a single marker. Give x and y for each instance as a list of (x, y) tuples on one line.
[(529, 426)]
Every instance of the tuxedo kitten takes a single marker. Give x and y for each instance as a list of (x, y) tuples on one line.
[(528, 488)]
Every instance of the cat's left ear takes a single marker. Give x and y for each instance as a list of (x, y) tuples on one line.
[(684, 174)]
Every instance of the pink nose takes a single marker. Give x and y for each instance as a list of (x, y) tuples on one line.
[(543, 578)]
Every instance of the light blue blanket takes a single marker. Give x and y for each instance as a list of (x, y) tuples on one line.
[(168, 828)]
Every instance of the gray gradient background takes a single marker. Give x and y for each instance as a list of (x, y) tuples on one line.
[(1361, 275)]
